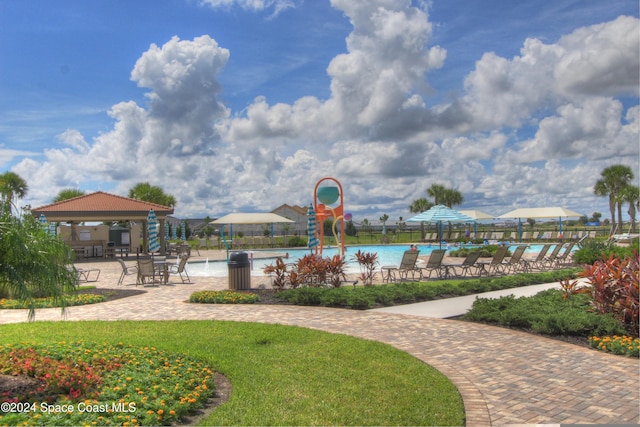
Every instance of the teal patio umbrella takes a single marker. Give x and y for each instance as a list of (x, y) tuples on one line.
[(439, 214), (312, 240), (152, 227)]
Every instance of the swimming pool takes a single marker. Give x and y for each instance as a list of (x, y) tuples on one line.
[(387, 255)]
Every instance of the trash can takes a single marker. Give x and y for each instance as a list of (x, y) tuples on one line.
[(239, 271)]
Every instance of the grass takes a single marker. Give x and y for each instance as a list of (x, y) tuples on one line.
[(283, 375)]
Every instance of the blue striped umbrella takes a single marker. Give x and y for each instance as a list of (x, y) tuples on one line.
[(43, 221), (183, 231), (166, 231), (152, 227), (311, 228), (174, 232), (439, 214)]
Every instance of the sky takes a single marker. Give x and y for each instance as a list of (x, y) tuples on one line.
[(244, 105)]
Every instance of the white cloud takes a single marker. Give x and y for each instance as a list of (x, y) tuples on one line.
[(525, 130), (253, 5)]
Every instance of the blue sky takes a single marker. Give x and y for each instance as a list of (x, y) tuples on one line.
[(236, 105)]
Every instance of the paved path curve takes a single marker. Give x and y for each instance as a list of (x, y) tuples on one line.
[(504, 376)]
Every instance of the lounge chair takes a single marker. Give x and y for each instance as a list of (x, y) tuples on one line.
[(550, 260), (561, 260), (466, 266), (87, 274), (515, 261), (126, 271), (180, 270), (435, 264), (407, 265), (537, 262), (495, 265)]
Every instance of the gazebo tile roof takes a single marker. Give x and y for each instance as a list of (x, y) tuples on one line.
[(101, 202)]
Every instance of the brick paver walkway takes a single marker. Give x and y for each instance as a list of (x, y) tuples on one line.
[(504, 376)]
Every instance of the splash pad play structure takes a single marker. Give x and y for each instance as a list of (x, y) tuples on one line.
[(328, 203)]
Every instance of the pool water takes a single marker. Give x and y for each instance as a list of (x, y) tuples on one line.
[(387, 255)]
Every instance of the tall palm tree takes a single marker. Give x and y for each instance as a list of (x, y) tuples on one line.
[(614, 179), (12, 186), (418, 206), (453, 197), (631, 195), (438, 192)]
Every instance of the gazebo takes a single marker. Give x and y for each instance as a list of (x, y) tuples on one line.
[(99, 207)]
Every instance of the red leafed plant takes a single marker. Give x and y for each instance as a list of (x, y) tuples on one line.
[(280, 272), (367, 262), (615, 288)]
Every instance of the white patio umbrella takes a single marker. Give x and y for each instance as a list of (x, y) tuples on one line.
[(477, 216), (549, 212), (152, 227), (439, 214)]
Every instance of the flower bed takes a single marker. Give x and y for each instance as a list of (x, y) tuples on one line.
[(624, 345), (100, 384), (224, 297), (70, 300)]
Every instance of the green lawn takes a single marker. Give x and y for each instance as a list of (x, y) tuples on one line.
[(283, 375)]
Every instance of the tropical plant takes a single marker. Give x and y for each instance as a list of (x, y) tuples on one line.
[(33, 264), (367, 261), (631, 195), (418, 206), (614, 179), (614, 286), (12, 186), (151, 193)]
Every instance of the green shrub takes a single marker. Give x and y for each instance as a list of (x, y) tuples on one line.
[(592, 250), (547, 313)]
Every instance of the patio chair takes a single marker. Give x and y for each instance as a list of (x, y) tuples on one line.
[(126, 271), (537, 262), (495, 265), (466, 265), (515, 261), (180, 269), (147, 273), (434, 264), (550, 260), (561, 260), (407, 265)]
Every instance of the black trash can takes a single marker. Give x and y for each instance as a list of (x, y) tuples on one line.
[(239, 271)]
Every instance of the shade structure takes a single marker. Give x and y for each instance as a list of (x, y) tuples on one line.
[(251, 218), (549, 212), (476, 214), (439, 214), (152, 227), (312, 240)]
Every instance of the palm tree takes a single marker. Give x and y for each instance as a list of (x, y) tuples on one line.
[(614, 179), (438, 192), (418, 206), (384, 219), (11, 186), (631, 195)]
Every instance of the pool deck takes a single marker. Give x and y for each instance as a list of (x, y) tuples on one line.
[(503, 376)]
